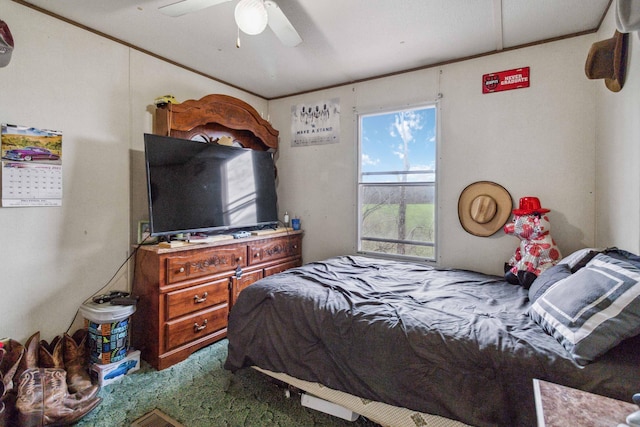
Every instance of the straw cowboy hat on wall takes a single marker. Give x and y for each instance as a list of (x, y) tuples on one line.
[(484, 207)]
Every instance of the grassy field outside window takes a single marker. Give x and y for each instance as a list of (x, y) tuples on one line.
[(397, 183)]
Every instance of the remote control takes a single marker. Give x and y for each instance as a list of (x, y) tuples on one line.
[(124, 301), (101, 299)]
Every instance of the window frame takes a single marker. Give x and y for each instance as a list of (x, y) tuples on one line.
[(360, 184)]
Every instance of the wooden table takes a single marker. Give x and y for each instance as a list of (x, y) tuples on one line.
[(560, 406)]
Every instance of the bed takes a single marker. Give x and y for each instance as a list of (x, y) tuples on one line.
[(451, 343)]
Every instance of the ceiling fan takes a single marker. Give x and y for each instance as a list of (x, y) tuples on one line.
[(252, 17)]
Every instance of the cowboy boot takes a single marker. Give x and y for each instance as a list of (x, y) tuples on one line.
[(76, 360), (43, 399), (1, 402), (51, 355), (30, 357), (2, 353), (13, 353), (11, 356)]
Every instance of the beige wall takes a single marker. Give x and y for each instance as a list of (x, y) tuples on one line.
[(618, 153), (100, 95), (538, 141)]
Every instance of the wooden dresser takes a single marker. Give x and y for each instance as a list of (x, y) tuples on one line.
[(186, 292)]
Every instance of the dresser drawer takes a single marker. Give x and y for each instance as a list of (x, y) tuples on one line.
[(269, 250), (240, 283), (198, 325), (185, 301), (278, 268), (205, 262)]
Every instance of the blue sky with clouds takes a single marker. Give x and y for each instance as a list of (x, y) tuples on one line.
[(26, 130), (384, 137)]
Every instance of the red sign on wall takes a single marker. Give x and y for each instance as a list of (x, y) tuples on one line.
[(505, 80)]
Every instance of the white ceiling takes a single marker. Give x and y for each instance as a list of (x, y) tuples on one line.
[(343, 40)]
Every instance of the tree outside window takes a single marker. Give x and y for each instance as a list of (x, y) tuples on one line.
[(397, 183)]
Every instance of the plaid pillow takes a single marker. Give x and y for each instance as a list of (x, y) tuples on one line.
[(592, 310)]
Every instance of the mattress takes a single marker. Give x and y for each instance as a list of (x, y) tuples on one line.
[(454, 343)]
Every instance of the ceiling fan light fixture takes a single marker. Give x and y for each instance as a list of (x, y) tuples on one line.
[(251, 16)]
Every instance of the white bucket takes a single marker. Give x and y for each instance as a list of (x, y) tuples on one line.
[(108, 327)]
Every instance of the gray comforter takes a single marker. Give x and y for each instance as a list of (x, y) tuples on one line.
[(450, 342)]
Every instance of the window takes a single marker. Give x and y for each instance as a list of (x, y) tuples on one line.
[(397, 183)]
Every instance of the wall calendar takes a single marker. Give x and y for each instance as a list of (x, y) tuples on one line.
[(31, 166)]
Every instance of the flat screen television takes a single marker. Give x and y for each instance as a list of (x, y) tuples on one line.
[(205, 187)]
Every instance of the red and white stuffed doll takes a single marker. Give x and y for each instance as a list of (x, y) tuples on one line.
[(537, 251)]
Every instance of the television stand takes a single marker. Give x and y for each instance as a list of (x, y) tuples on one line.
[(186, 292)]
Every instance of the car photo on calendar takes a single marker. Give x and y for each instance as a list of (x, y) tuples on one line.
[(29, 144), (29, 154)]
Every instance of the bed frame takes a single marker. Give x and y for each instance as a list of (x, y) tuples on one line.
[(382, 413)]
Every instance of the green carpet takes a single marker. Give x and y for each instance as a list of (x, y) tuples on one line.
[(199, 392)]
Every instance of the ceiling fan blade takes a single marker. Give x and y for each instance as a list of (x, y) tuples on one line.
[(187, 6), (281, 26)]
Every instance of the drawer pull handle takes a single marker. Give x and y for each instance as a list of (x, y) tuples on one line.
[(198, 300), (181, 270), (198, 328), (239, 259), (256, 255)]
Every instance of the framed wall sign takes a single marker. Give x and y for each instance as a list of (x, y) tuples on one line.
[(315, 123)]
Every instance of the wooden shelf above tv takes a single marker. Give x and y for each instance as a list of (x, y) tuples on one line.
[(214, 116)]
